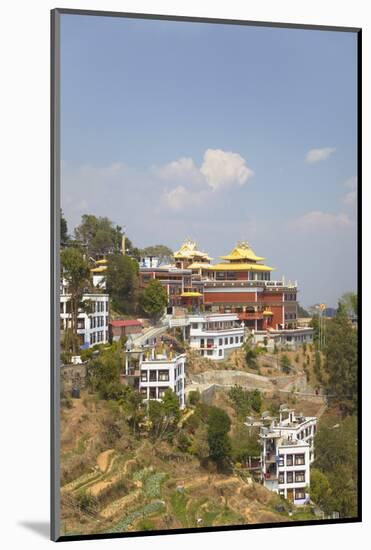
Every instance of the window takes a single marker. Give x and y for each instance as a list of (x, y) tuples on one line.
[(226, 341), (299, 459), (209, 352), (163, 375), (143, 391), (220, 352), (194, 325), (299, 494), (202, 343), (289, 461), (300, 477), (144, 376), (241, 338), (281, 460), (281, 477), (231, 340), (289, 477), (153, 375), (152, 393), (161, 391), (80, 323)]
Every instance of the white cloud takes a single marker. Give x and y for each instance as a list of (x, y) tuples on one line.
[(183, 169), (219, 169), (319, 220), (351, 183), (316, 155), (222, 169), (180, 196), (350, 198)]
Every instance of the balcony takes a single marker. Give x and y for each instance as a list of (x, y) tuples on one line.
[(247, 315)]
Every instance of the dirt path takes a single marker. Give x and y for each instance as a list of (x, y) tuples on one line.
[(103, 460)]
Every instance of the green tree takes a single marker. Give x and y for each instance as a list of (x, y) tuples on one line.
[(245, 443), (219, 424), (122, 282), (75, 271), (64, 229), (341, 361), (164, 415), (153, 299), (251, 354), (320, 490), (350, 301), (200, 443), (256, 400), (194, 397), (131, 403), (336, 457), (162, 252), (99, 235), (285, 364), (103, 373), (244, 401)]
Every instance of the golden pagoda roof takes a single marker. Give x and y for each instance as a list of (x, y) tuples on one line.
[(99, 269), (240, 267), (103, 261), (267, 312), (189, 250), (242, 251), (190, 294)]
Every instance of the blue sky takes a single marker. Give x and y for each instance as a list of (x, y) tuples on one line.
[(219, 133)]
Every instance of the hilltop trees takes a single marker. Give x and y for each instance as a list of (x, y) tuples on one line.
[(122, 282), (101, 237), (162, 252)]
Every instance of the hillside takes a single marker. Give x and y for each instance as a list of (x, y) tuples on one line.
[(114, 482)]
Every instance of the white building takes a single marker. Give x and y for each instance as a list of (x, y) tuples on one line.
[(92, 324), (287, 452), (215, 335), (157, 373), (291, 338)]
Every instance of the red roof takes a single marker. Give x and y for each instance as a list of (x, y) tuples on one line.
[(126, 323)]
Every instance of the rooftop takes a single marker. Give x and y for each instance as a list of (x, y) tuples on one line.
[(126, 323), (189, 250), (242, 251)]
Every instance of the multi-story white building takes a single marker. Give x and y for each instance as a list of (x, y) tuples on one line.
[(215, 335), (157, 373), (287, 452), (92, 321), (152, 373)]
